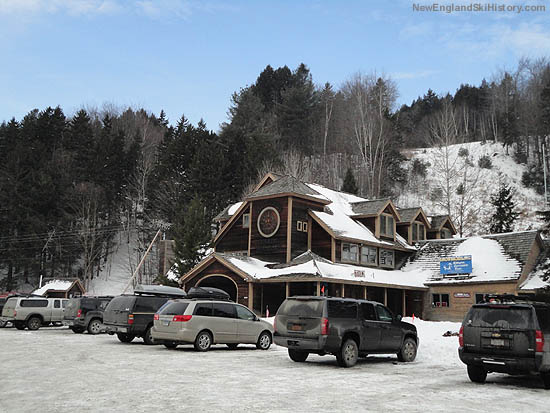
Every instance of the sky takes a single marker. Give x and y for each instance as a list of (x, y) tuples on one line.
[(188, 57)]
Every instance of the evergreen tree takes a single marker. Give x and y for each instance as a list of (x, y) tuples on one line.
[(349, 186), (504, 215), (191, 235)]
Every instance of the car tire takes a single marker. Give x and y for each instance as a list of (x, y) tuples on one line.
[(297, 356), (264, 341), (232, 346), (348, 354), (203, 342), (546, 380), (34, 323), (125, 338), (147, 337), (408, 350), (94, 326), (3, 324), (77, 330), (20, 325), (171, 345), (477, 374)]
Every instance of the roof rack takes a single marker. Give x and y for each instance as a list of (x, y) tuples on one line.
[(162, 290), (208, 293)]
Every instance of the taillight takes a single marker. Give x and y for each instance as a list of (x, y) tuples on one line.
[(324, 326), (461, 336), (79, 313), (539, 341), (181, 318), (130, 319), (14, 313), (156, 317)]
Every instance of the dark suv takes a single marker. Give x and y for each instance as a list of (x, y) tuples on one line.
[(346, 328), (85, 313), (506, 334), (131, 316)]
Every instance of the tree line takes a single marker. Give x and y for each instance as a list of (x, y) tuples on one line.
[(69, 184)]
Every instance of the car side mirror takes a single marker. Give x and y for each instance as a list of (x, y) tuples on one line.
[(398, 317)]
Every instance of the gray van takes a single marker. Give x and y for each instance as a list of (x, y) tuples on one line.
[(33, 312), (203, 322)]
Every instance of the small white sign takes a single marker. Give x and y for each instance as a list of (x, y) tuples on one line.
[(359, 273)]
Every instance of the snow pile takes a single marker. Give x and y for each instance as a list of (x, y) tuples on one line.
[(55, 285)]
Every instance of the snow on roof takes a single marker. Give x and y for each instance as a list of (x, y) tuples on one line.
[(55, 285), (233, 208), (490, 261), (339, 220), (321, 268), (535, 282)]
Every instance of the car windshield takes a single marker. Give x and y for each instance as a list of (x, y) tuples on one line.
[(302, 308), (500, 317)]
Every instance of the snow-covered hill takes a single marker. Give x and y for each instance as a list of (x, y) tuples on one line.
[(480, 184)]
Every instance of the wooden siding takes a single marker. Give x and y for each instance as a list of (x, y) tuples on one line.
[(236, 238), (320, 241), (272, 248), (299, 238), (459, 305), (218, 269)]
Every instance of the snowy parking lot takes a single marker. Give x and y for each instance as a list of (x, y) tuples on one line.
[(55, 370)]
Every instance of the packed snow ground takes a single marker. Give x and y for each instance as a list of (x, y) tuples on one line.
[(55, 370)]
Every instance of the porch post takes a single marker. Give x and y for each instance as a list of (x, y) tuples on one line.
[(318, 288), (404, 304), (343, 289), (385, 296), (287, 290), (250, 295), (365, 292)]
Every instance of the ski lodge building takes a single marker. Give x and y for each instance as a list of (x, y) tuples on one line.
[(294, 238)]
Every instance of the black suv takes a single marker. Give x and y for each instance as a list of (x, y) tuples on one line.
[(131, 316), (347, 328), (85, 313), (506, 334)]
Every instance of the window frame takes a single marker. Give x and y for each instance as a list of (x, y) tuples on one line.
[(342, 259), (368, 247), (384, 265), (246, 220), (441, 300), (383, 229)]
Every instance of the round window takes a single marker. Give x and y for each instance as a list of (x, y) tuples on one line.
[(268, 222)]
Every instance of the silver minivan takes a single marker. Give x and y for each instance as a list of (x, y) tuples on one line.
[(33, 312), (206, 322)]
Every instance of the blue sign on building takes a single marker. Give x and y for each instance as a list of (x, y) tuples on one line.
[(456, 265)]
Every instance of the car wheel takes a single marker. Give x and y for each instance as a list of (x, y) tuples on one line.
[(546, 380), (20, 325), (77, 330), (148, 337), (264, 341), (477, 374), (171, 345), (348, 354), (125, 338), (232, 346), (297, 356), (3, 324), (408, 351), (94, 327), (203, 342), (34, 323)]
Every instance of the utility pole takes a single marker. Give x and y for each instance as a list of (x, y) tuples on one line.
[(544, 170), (141, 262), (44, 248)]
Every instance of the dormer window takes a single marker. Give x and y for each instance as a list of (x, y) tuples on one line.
[(350, 252), (417, 231), (386, 225), (445, 233)]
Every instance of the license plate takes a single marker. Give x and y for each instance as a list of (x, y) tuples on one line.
[(296, 327), (68, 323), (497, 342), (121, 329), (166, 323)]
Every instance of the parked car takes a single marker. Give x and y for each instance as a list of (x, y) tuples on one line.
[(85, 313), (2, 302), (506, 334), (207, 321), (344, 327), (131, 316), (33, 312)]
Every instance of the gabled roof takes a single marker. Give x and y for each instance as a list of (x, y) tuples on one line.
[(493, 260), (437, 222), (310, 265), (372, 207), (228, 212), (288, 185), (540, 276), (408, 215), (58, 286), (270, 176)]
